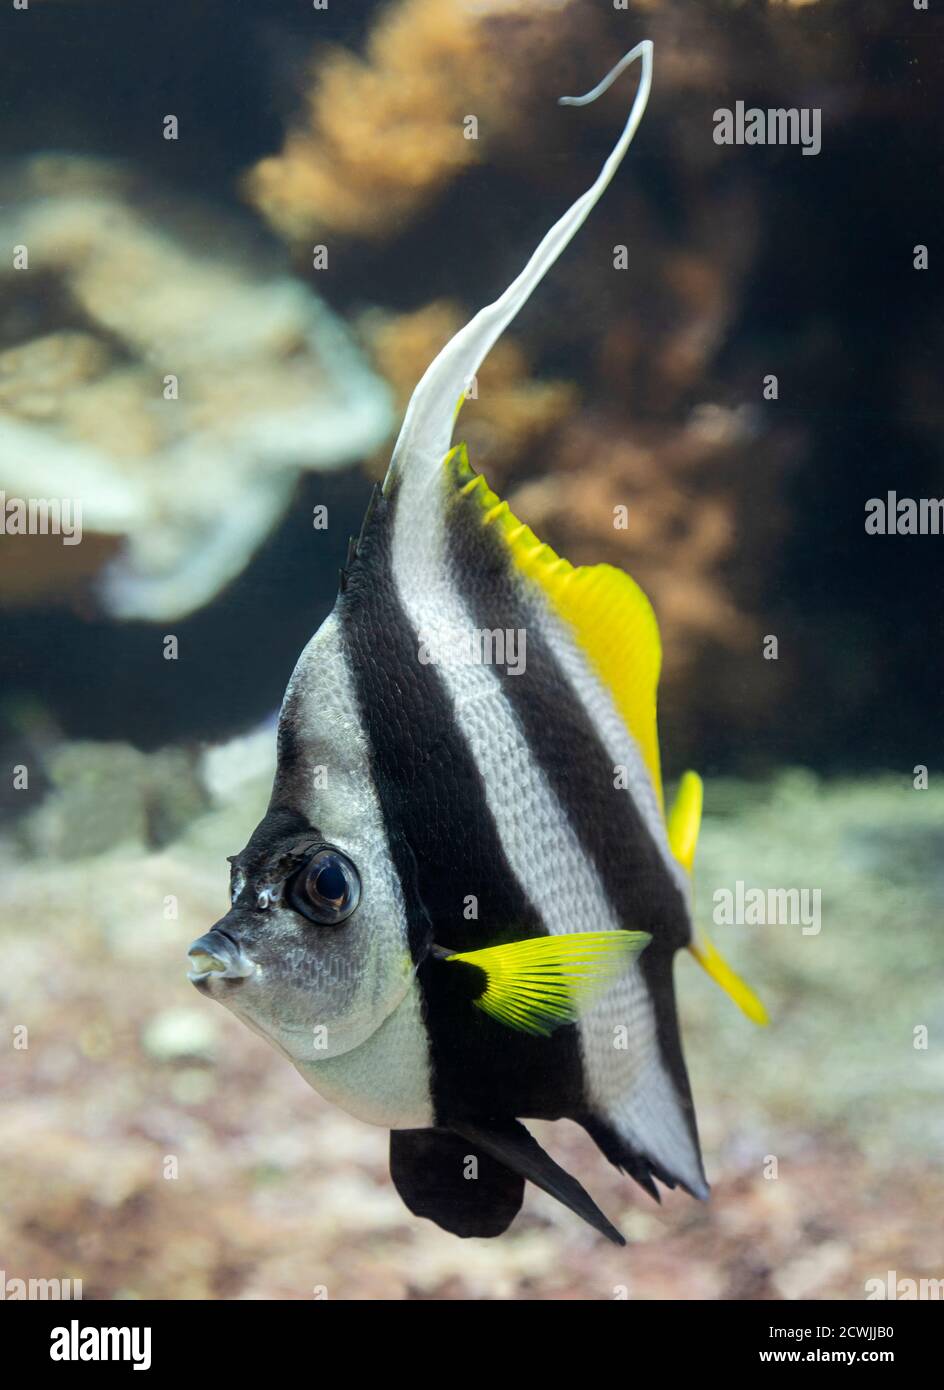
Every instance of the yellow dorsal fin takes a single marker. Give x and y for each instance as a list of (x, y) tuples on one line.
[(685, 819), (609, 615), (717, 967), (536, 985)]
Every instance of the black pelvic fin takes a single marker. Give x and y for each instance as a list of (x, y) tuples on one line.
[(510, 1142), (431, 1171)]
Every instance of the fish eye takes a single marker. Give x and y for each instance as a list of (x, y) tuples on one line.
[(326, 889)]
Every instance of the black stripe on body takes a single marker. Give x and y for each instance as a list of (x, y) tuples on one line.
[(445, 848), (606, 821)]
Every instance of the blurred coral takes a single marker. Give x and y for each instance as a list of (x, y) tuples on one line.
[(107, 795), (184, 481), (382, 134)]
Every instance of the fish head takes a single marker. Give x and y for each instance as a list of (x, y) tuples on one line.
[(314, 952)]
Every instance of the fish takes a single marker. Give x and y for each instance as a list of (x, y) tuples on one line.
[(461, 908)]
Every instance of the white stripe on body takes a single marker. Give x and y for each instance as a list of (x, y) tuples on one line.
[(385, 1078)]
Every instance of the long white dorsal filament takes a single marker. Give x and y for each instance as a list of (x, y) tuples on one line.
[(426, 433)]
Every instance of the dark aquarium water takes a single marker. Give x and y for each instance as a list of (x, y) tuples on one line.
[(233, 237)]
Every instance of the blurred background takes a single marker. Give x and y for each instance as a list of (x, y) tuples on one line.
[(249, 229)]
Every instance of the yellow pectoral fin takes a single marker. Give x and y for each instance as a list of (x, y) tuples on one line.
[(684, 820), (717, 967), (536, 985)]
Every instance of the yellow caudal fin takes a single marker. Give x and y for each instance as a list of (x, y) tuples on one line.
[(684, 822), (536, 985), (609, 615), (717, 967)]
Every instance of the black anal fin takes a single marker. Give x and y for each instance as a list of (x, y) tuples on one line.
[(431, 1171), (510, 1142)]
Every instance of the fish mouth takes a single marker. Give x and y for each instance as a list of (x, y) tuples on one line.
[(218, 955)]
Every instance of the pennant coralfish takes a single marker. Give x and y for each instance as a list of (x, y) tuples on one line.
[(462, 905)]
